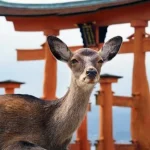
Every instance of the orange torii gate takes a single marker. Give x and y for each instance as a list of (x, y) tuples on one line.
[(127, 47), (50, 80), (52, 18), (140, 43), (50, 73), (105, 99)]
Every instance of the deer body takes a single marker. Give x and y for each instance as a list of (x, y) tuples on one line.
[(37, 124), (27, 122)]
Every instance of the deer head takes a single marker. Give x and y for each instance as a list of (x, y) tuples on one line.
[(85, 63)]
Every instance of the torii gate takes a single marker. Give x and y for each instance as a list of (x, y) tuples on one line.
[(55, 20), (51, 66), (50, 73), (139, 102), (127, 47)]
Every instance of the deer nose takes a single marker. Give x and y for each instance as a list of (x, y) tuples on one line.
[(91, 73)]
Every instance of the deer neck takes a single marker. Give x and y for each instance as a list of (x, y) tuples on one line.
[(76, 100), (72, 109)]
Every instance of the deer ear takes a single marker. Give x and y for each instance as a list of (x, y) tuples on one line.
[(110, 48), (59, 49)]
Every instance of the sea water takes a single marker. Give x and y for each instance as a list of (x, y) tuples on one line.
[(121, 124)]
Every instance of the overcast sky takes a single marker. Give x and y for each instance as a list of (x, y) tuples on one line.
[(31, 72)]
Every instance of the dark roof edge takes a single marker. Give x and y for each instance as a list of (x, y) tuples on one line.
[(65, 5), (57, 13), (106, 75), (11, 81)]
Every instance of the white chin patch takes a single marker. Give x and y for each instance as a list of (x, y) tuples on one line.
[(86, 80), (90, 81), (85, 84)]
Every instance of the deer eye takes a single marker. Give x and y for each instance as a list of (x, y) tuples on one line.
[(100, 61), (74, 61)]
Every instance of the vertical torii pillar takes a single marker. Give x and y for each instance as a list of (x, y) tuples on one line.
[(105, 100), (82, 134), (10, 85), (50, 72), (140, 118)]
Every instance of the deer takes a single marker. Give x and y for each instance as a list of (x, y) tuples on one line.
[(31, 123)]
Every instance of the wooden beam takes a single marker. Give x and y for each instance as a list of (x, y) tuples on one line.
[(32, 54), (146, 45), (121, 146), (102, 17), (39, 54), (122, 101), (74, 48), (127, 47), (11, 85)]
